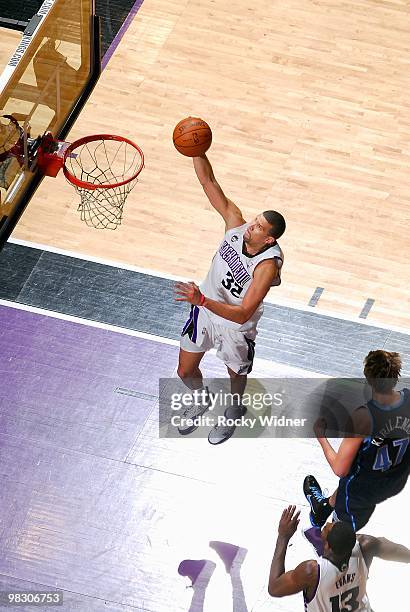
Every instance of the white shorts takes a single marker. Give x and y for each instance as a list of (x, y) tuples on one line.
[(236, 349)]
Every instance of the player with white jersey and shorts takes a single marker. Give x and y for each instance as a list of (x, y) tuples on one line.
[(226, 309), (336, 582)]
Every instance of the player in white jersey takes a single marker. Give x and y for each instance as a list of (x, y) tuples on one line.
[(336, 582), (226, 308)]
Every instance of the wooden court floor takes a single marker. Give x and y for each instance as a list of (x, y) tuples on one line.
[(310, 109), (9, 40)]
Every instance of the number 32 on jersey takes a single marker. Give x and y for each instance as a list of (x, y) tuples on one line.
[(230, 283)]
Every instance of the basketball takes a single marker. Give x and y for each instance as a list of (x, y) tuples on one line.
[(192, 137)]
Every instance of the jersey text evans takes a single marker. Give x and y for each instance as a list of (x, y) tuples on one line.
[(341, 591)]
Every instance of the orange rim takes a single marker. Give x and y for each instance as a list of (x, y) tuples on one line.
[(91, 186)]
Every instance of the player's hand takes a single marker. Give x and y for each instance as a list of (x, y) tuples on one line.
[(289, 522), (320, 427), (189, 292)]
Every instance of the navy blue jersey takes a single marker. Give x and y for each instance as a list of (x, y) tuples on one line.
[(382, 465), (386, 453)]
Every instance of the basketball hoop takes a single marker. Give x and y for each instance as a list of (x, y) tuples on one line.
[(103, 170)]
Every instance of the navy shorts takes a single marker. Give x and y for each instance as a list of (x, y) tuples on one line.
[(357, 497)]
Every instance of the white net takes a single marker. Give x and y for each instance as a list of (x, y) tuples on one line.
[(103, 163)]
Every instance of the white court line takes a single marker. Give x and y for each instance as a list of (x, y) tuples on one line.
[(333, 315), (59, 315), (259, 363), (268, 300), (99, 260), (262, 365)]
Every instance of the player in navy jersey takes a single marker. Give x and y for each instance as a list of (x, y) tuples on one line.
[(375, 464), (226, 308)]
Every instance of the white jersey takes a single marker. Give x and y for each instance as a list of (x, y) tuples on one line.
[(337, 591), (231, 273)]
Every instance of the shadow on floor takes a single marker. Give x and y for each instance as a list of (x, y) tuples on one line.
[(200, 571)]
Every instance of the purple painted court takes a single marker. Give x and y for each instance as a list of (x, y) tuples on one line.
[(95, 504)]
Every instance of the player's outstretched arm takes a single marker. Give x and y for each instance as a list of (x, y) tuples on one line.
[(226, 208), (382, 548), (304, 576)]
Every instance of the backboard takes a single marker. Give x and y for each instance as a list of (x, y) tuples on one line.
[(43, 88)]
